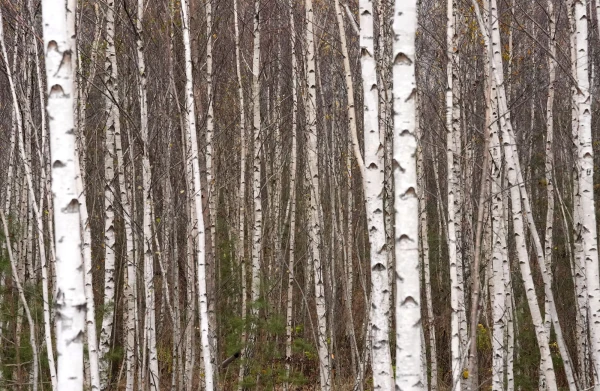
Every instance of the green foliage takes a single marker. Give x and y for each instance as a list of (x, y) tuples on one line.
[(115, 354), (4, 262), (295, 378), (234, 326), (300, 345), (484, 342), (165, 357), (18, 357), (274, 324), (259, 304), (101, 309), (298, 329), (526, 364), (248, 382)]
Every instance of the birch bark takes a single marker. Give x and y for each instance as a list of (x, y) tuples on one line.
[(197, 196), (373, 189), (70, 296), (113, 126), (498, 248), (150, 315), (293, 169), (549, 162), (455, 344), (241, 249), (585, 159), (315, 234), (579, 256), (408, 296)]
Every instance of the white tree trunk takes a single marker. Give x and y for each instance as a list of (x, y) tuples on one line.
[(408, 296), (150, 315), (549, 163), (112, 126), (209, 382), (585, 165), (455, 344), (350, 90), (579, 267), (256, 193), (257, 167), (241, 248), (498, 251), (498, 295), (293, 169), (210, 126), (70, 297), (373, 190), (315, 234)]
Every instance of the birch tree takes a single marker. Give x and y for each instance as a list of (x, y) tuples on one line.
[(585, 163), (113, 125), (241, 250), (257, 223), (193, 162), (549, 161), (70, 296), (452, 223), (150, 315), (292, 218), (315, 235), (373, 188), (406, 229)]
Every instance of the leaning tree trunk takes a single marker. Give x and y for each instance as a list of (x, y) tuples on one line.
[(353, 149), (193, 162), (515, 192)]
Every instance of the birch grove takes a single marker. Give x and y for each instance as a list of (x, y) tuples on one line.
[(261, 195)]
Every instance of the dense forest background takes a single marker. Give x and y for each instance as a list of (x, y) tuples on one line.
[(276, 93)]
